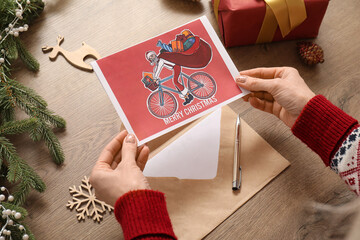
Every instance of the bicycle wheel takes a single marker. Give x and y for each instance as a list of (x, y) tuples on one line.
[(168, 108), (202, 85)]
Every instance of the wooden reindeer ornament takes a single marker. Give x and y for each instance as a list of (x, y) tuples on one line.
[(76, 57)]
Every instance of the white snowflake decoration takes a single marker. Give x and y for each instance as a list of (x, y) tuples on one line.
[(85, 202)]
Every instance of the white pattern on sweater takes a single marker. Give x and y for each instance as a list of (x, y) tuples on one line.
[(346, 161)]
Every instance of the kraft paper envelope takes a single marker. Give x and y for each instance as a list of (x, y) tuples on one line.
[(196, 207)]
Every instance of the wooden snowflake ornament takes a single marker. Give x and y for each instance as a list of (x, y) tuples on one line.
[(85, 202)]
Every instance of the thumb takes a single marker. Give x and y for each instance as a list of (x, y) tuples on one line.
[(255, 84), (129, 148)]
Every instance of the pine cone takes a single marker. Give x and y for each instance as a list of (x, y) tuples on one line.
[(310, 53)]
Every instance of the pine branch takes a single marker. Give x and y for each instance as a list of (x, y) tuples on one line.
[(12, 95), (29, 94), (7, 111), (11, 49), (5, 5), (53, 144), (34, 10), (18, 127), (7, 114), (34, 134), (29, 180), (43, 114), (31, 63), (7, 150), (22, 190), (51, 118), (19, 171)]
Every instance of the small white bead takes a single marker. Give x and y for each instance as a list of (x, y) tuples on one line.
[(28, 2), (21, 29), (17, 215), (8, 232), (1, 61), (11, 32), (2, 188), (25, 237), (2, 238), (2, 51), (7, 212), (25, 29), (11, 197), (10, 222), (18, 14), (6, 29), (10, 25), (21, 227), (26, 26), (16, 34), (4, 216), (13, 212)]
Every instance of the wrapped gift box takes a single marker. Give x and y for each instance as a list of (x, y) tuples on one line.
[(240, 22), (177, 46)]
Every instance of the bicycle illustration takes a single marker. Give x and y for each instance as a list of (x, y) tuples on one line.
[(162, 102)]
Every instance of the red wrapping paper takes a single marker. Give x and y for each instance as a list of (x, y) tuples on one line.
[(240, 21)]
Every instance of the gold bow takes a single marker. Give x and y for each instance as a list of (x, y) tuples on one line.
[(287, 14)]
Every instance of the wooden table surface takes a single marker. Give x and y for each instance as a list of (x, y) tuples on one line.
[(277, 211)]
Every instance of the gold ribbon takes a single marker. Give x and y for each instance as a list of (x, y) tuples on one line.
[(216, 9), (287, 14)]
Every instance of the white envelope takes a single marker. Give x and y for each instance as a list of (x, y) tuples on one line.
[(194, 155)]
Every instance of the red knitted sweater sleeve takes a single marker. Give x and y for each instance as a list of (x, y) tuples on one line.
[(323, 127), (143, 215)]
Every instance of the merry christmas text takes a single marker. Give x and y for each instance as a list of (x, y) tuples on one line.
[(189, 110)]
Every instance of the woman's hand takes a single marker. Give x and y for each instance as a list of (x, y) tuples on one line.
[(119, 168), (280, 91)]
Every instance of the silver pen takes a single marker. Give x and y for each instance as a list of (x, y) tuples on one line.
[(237, 168)]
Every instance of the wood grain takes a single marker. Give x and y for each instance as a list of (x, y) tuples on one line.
[(277, 211)]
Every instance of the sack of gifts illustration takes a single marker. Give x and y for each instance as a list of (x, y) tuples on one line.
[(197, 56), (149, 82)]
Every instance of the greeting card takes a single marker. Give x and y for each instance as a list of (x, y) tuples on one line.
[(169, 80)]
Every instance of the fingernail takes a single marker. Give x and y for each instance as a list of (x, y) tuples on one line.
[(241, 79), (130, 138)]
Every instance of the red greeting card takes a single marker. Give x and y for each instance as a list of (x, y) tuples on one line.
[(169, 80)]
